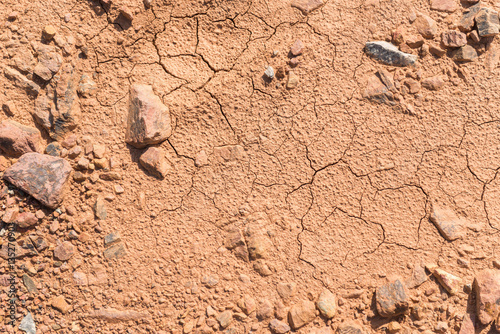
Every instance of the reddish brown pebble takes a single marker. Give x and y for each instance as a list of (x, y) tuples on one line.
[(448, 6), (64, 251), (26, 219), (17, 139), (297, 48), (453, 38), (154, 161), (487, 287)]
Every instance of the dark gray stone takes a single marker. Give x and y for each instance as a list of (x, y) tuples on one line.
[(389, 54)]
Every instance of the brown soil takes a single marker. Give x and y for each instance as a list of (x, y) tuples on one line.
[(341, 186)]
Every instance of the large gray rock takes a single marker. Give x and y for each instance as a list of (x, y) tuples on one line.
[(389, 54), (148, 118), (487, 22), (42, 176)]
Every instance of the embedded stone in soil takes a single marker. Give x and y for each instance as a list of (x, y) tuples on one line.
[(389, 54)]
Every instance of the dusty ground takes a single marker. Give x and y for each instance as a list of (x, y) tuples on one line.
[(342, 186)]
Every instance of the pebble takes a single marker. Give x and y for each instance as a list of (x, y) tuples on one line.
[(415, 41), (468, 322), (307, 6), (28, 324), (425, 26), (467, 21), (434, 83), (113, 315), (87, 86), (17, 139), (21, 81), (67, 17), (394, 327), (99, 150), (413, 85), (451, 283), (26, 219), (54, 149), (487, 287), (13, 16), (465, 53), (116, 251), (225, 318), (100, 209), (9, 108), (474, 36), (279, 327), (49, 32), (147, 3), (441, 327), (247, 304), (148, 118), (127, 13), (264, 310), (154, 161), (447, 222), (286, 290), (293, 80), (49, 61), (29, 284), (64, 251), (269, 73), (262, 268), (389, 54), (75, 152), (488, 23), (327, 304), (210, 281), (453, 38), (436, 50), (377, 91), (448, 6), (60, 304), (111, 239), (418, 277), (42, 176), (350, 328), (301, 314), (392, 299), (297, 48)]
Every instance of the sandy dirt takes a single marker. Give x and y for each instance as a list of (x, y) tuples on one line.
[(322, 187)]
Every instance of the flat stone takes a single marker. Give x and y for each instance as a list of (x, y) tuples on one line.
[(116, 251), (447, 222), (488, 23), (433, 83), (414, 41), (114, 315), (413, 85), (28, 324), (225, 318), (301, 314), (210, 281), (392, 299), (350, 328), (327, 304), (17, 139), (453, 38), (307, 6), (26, 219), (293, 80), (148, 119), (467, 326), (86, 86), (60, 304), (487, 287), (269, 73), (100, 209), (377, 91), (247, 304), (286, 290), (127, 13), (451, 283), (29, 284), (418, 277), (279, 327), (154, 161), (111, 239), (258, 246), (425, 26), (42, 176), (389, 54), (64, 251), (21, 81), (466, 23), (265, 310), (80, 278), (448, 6), (297, 48), (49, 61), (436, 50)]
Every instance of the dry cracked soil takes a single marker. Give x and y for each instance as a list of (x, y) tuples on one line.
[(335, 194)]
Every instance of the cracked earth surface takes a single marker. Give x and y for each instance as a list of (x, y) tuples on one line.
[(345, 185)]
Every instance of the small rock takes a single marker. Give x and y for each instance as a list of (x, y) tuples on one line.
[(100, 208), (417, 278), (113, 315), (280, 72), (468, 322), (10, 108), (86, 86), (488, 23), (487, 287), (415, 41), (425, 26), (448, 6), (436, 50), (154, 161), (13, 16), (99, 151), (21, 81), (49, 32), (441, 327), (496, 264), (301, 314), (293, 80), (26, 219), (29, 284), (225, 318), (83, 163), (258, 246), (392, 299), (327, 304), (210, 281), (17, 139), (269, 73), (279, 327), (377, 91), (262, 268), (127, 13), (148, 118), (474, 36), (453, 38), (118, 189), (49, 61), (413, 85), (447, 222), (247, 304), (467, 21), (116, 251), (294, 62), (297, 48), (451, 283), (433, 83), (42, 176), (465, 53), (111, 239), (389, 54), (64, 251), (75, 152), (53, 149), (350, 328), (264, 310), (28, 324), (69, 142), (60, 304), (307, 6), (201, 159), (286, 290), (394, 327), (147, 3)]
